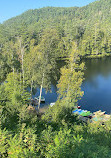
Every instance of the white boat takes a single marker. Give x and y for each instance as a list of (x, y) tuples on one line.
[(51, 104), (42, 99)]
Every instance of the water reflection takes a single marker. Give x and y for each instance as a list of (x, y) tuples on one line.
[(51, 96), (94, 67), (97, 85)]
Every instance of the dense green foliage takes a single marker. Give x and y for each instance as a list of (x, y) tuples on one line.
[(60, 136), (30, 45), (57, 133), (89, 27)]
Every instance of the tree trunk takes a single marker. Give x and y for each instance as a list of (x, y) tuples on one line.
[(13, 78), (20, 81), (22, 57), (13, 70), (23, 67), (41, 91), (31, 87)]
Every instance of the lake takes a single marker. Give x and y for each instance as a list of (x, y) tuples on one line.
[(96, 86)]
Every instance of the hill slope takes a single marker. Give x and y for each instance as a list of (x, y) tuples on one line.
[(89, 26)]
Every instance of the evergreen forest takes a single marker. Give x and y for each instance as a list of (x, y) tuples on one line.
[(31, 45)]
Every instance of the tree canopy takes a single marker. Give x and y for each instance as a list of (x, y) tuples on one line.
[(30, 46)]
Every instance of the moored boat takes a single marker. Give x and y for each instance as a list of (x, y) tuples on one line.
[(51, 104), (42, 99)]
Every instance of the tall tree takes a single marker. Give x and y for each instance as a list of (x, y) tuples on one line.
[(69, 86), (46, 54)]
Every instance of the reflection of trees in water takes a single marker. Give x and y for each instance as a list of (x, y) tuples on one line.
[(95, 67), (55, 76)]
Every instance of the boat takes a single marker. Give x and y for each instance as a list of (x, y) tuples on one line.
[(51, 104), (81, 112), (42, 99)]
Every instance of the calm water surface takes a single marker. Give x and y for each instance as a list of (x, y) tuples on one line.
[(96, 86)]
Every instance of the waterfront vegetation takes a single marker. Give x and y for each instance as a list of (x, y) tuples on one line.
[(30, 46)]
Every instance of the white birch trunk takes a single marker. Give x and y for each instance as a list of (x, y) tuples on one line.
[(41, 91), (23, 67), (22, 57), (31, 87)]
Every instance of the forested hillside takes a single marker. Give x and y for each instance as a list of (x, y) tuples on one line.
[(51, 33), (89, 26), (30, 46)]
